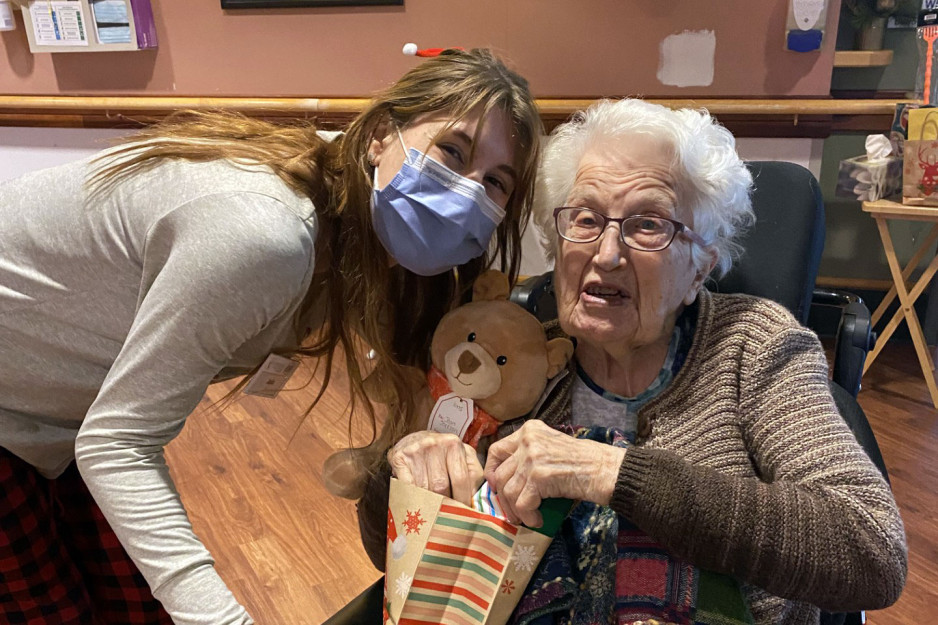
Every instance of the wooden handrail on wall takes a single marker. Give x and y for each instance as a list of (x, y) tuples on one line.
[(765, 118)]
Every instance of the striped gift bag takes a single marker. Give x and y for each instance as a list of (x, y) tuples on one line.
[(449, 564)]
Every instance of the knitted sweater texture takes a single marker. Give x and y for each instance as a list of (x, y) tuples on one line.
[(744, 466)]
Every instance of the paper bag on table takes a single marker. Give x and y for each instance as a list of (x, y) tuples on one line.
[(920, 159), (450, 564)]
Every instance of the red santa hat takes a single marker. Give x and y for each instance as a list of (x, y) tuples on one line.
[(398, 542), (410, 49)]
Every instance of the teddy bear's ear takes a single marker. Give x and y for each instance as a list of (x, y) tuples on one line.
[(491, 285), (559, 351)]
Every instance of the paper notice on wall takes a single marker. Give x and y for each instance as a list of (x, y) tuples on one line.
[(58, 22), (111, 21)]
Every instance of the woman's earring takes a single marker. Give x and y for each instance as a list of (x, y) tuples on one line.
[(371, 158)]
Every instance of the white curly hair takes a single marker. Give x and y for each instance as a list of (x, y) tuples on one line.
[(712, 180)]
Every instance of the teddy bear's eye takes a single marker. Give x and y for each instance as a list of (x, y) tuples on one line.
[(501, 360), (471, 337)]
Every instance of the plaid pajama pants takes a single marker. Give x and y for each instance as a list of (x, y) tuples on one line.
[(60, 561)]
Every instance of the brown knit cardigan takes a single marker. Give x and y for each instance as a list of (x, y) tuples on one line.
[(744, 466)]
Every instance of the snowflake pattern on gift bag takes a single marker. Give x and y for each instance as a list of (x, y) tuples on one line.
[(525, 558), (413, 522), (402, 585)]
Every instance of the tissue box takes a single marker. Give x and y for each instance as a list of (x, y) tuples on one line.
[(866, 181)]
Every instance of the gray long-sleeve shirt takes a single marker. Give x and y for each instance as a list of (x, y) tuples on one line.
[(117, 311)]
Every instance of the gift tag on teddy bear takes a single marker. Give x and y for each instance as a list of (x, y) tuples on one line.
[(452, 414), (271, 377)]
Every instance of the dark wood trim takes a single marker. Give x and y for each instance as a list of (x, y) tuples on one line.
[(814, 118), (296, 4)]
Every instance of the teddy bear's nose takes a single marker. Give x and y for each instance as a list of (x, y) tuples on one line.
[(467, 362)]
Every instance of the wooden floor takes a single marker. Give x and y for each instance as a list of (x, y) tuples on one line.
[(250, 478), (897, 404)]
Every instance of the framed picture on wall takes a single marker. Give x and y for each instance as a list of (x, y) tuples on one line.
[(291, 4)]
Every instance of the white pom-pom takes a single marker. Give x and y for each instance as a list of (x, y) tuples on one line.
[(398, 547), (410, 49)]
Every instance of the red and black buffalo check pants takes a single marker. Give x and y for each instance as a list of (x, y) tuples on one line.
[(60, 561)]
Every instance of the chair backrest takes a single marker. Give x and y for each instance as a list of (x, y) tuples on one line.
[(783, 248)]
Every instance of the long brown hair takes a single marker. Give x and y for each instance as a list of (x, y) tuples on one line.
[(389, 309)]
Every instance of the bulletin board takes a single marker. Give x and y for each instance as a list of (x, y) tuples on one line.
[(566, 49)]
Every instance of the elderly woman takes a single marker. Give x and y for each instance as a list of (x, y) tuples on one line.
[(708, 455)]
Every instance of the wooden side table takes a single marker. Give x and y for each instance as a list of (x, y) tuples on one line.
[(882, 211)]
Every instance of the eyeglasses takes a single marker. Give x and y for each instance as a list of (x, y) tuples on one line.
[(648, 233)]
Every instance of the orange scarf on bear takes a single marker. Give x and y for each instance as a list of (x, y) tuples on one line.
[(483, 424)]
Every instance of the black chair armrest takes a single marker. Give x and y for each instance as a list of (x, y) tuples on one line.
[(365, 609), (854, 336), (536, 295), (856, 618)]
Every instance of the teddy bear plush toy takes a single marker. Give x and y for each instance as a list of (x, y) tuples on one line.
[(491, 361)]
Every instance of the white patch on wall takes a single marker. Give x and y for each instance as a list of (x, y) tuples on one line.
[(686, 59), (24, 149), (803, 151)]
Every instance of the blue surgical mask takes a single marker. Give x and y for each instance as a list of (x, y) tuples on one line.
[(429, 218)]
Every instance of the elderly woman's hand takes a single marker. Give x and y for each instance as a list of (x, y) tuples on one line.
[(538, 462), (438, 462)]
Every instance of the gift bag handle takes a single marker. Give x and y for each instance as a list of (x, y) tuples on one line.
[(931, 119)]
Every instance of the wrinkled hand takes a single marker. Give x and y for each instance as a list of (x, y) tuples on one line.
[(438, 462), (537, 462)]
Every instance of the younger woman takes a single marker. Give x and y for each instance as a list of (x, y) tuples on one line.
[(131, 281)]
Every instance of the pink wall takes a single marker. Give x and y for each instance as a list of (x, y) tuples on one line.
[(566, 48)]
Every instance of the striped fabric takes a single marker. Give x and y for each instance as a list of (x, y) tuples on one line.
[(459, 572)]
